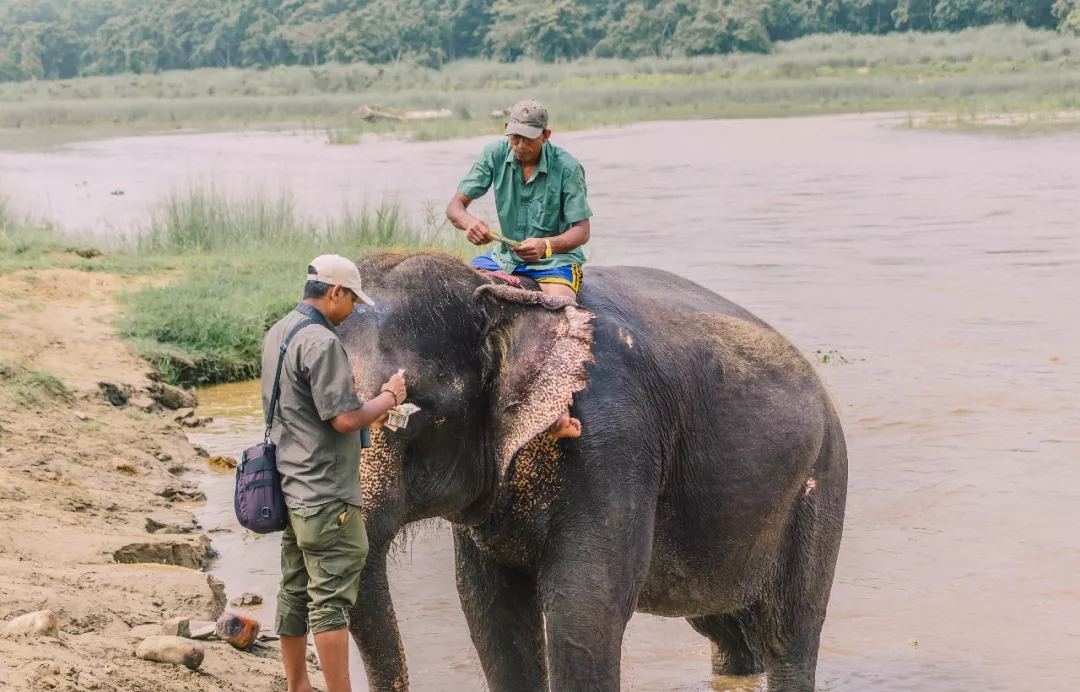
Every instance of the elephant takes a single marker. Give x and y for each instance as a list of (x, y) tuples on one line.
[(709, 482)]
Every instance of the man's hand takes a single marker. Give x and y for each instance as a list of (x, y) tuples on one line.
[(532, 250), (478, 232), (375, 409), (396, 384)]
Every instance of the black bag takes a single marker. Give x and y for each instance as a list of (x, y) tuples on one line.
[(258, 500)]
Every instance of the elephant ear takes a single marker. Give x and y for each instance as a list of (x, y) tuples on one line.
[(537, 347)]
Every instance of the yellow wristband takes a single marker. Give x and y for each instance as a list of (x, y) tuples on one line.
[(548, 253)]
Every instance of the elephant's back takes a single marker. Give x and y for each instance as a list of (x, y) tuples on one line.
[(737, 422), (634, 289), (676, 321), (698, 363)]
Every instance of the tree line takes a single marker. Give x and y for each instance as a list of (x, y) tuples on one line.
[(59, 39)]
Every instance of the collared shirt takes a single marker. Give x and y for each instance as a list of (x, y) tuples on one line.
[(543, 207), (317, 463)]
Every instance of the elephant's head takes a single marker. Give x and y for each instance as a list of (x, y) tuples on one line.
[(490, 366)]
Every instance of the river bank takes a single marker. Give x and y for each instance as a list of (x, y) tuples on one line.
[(79, 479), (967, 76)]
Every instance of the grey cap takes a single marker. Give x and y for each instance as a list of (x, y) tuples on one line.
[(528, 119)]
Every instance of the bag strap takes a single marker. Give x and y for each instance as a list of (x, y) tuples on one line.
[(306, 322)]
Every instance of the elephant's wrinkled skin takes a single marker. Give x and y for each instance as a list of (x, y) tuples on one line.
[(709, 482)]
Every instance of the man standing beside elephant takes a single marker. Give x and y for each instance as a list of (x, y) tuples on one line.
[(317, 433), (540, 199)]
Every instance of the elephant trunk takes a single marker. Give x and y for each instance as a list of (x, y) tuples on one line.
[(374, 626)]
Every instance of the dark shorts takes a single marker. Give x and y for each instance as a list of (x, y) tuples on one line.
[(569, 275)]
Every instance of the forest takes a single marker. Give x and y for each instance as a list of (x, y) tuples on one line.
[(62, 39)]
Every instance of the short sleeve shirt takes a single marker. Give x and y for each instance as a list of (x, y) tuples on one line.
[(543, 207), (317, 463)]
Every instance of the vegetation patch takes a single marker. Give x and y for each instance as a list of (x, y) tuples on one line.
[(987, 71), (230, 268), (33, 388)]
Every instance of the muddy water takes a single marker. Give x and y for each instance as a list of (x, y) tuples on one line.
[(943, 270)]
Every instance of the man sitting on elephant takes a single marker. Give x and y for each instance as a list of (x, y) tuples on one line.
[(540, 199)]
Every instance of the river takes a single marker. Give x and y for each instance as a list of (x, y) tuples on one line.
[(940, 271)]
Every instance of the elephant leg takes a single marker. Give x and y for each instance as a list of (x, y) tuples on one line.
[(732, 654), (790, 647), (788, 623), (584, 641), (589, 594), (505, 622), (374, 627)]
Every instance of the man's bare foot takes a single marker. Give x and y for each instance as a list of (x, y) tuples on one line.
[(566, 427)]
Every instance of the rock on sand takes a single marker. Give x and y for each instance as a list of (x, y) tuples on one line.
[(247, 599), (41, 623), (175, 650)]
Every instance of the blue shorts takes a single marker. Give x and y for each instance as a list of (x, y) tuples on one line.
[(568, 275)]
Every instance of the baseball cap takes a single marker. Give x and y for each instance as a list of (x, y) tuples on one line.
[(337, 271), (528, 119)]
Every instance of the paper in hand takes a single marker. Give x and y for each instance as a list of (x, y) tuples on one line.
[(399, 416)]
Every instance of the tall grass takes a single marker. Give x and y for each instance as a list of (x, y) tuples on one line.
[(244, 266), (205, 220), (7, 213), (991, 68)]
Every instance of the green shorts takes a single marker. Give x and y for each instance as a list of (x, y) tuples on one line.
[(322, 552)]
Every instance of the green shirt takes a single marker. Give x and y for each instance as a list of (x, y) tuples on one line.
[(317, 463), (544, 207)]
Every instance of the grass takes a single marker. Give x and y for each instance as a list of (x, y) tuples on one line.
[(1046, 122), (29, 246), (21, 243), (207, 327), (8, 217), (990, 70), (33, 388), (25, 244), (234, 267), (832, 357)]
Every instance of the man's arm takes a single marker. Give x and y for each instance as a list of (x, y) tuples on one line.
[(363, 417), (457, 211), (392, 393), (575, 236), (474, 185), (334, 391), (476, 230)]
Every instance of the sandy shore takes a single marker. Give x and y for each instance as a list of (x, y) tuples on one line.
[(79, 478)]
